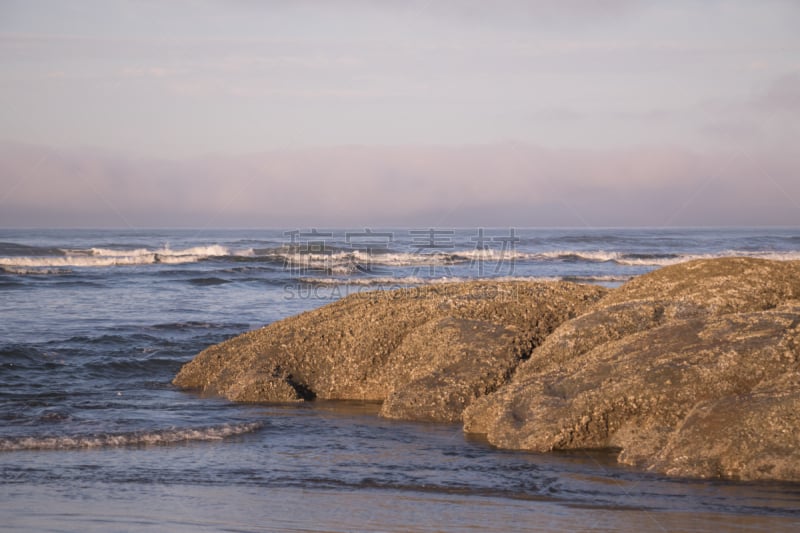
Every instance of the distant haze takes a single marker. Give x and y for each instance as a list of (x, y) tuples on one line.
[(354, 113)]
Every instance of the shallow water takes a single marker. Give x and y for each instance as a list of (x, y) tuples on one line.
[(94, 437), (334, 466)]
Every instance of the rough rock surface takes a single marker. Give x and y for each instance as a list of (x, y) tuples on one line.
[(747, 436), (683, 369), (473, 359), (432, 350)]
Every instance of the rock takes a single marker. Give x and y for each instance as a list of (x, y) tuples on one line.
[(465, 337), (716, 286), (696, 289), (651, 368), (691, 370), (473, 358), (647, 381), (748, 436)]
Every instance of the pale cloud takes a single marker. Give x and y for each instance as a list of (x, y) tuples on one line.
[(515, 184), (768, 120), (782, 95), (150, 72)]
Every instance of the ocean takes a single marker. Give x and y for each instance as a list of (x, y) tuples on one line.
[(94, 324)]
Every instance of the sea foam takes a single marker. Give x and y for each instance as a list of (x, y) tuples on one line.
[(145, 438), (104, 257)]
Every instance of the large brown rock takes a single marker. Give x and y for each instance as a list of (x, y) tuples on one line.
[(435, 348), (652, 368), (690, 370)]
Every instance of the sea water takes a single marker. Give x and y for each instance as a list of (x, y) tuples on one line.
[(93, 437)]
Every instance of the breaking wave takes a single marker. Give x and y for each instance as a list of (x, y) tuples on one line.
[(144, 438), (103, 257), (657, 260), (339, 261), (355, 258), (351, 262), (32, 271), (197, 251), (662, 260)]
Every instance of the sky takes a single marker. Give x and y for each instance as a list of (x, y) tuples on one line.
[(347, 113)]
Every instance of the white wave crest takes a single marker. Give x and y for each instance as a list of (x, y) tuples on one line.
[(103, 257), (633, 259), (597, 256), (196, 251), (667, 261), (357, 257), (151, 438), (490, 255), (23, 271)]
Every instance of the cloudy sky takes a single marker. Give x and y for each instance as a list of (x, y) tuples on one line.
[(354, 112)]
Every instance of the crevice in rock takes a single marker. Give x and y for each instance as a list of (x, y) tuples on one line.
[(303, 391)]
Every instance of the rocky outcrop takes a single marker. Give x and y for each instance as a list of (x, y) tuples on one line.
[(652, 366), (430, 350), (690, 370), (472, 359), (746, 436)]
